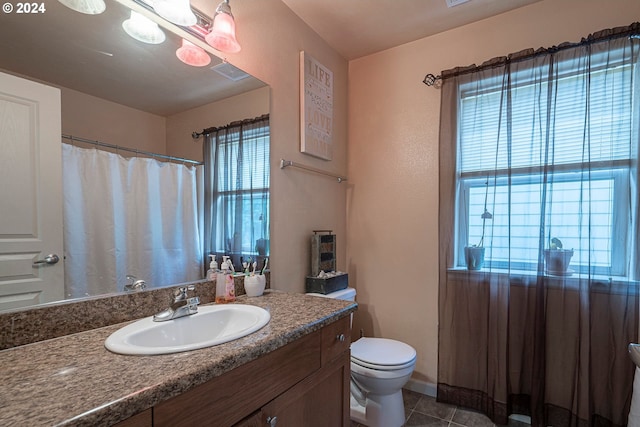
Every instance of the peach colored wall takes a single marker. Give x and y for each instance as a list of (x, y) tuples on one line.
[(94, 118), (392, 215), (180, 126), (272, 37), (97, 119)]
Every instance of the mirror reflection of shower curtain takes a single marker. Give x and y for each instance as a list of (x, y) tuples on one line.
[(127, 216)]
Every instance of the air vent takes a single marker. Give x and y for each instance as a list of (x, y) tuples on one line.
[(452, 3), (229, 71)]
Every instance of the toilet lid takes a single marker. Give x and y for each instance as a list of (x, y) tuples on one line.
[(382, 352)]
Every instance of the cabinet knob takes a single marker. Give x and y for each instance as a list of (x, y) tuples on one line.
[(272, 421), (340, 337)]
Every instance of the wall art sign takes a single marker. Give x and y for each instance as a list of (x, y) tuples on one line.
[(316, 108)]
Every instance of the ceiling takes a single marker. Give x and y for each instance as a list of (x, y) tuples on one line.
[(356, 28)]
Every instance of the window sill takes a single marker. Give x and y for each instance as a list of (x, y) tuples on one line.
[(598, 283)]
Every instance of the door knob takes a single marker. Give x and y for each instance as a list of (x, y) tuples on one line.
[(49, 259)]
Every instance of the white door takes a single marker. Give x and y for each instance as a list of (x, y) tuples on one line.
[(30, 194)]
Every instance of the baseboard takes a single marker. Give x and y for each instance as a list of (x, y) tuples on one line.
[(423, 387)]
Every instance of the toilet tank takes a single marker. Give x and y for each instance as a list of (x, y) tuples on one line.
[(347, 294)]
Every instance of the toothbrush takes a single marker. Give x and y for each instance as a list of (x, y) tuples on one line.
[(266, 262), (255, 264)]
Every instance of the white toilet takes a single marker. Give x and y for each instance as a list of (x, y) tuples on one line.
[(380, 367)]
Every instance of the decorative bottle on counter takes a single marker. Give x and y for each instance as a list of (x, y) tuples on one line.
[(225, 288), (213, 269)]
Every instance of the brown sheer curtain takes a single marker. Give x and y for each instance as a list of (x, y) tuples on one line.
[(537, 150)]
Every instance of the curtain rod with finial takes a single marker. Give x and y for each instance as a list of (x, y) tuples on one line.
[(631, 31), (197, 135)]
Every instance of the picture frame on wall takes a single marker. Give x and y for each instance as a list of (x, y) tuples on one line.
[(316, 108)]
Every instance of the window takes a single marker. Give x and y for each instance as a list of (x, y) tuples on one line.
[(562, 147), (238, 207)]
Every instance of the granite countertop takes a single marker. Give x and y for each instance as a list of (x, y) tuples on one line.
[(75, 380)]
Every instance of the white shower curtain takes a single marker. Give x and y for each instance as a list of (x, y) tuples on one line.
[(128, 216)]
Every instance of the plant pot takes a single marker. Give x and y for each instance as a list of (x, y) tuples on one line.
[(262, 246), (557, 260), (474, 257)]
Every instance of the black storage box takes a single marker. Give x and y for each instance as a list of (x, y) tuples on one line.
[(327, 285)]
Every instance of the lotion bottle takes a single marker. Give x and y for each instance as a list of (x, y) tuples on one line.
[(213, 269), (229, 283), (221, 278)]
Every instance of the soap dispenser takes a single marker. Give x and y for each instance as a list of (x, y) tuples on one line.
[(225, 289), (213, 269), (229, 283)]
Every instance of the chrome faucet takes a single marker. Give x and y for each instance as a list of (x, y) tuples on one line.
[(181, 306), (134, 284)]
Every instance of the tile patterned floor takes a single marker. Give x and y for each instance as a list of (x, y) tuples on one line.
[(422, 410)]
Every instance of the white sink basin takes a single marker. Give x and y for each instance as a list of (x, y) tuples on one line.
[(211, 325)]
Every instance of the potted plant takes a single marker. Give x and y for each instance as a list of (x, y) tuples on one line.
[(262, 244), (474, 255), (557, 259)]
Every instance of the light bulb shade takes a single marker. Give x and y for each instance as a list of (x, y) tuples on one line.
[(223, 34), (89, 7), (193, 55), (177, 11), (143, 29)]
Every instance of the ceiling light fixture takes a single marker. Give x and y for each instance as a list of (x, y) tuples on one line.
[(223, 34), (177, 11), (193, 55), (88, 7), (143, 29)]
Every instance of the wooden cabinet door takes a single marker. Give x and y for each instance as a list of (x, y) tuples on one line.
[(143, 419), (321, 400), (253, 420), (228, 399)]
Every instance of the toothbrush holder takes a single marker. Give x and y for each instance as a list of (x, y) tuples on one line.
[(254, 285)]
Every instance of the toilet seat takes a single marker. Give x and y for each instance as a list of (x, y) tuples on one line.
[(358, 362), (380, 374), (382, 354)]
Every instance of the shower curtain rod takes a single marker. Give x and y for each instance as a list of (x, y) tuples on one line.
[(284, 163), (131, 150)]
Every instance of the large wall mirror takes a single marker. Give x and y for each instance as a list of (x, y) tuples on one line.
[(141, 97)]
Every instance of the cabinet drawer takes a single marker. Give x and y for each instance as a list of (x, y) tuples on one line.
[(336, 338)]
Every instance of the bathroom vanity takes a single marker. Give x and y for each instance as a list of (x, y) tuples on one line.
[(292, 372)]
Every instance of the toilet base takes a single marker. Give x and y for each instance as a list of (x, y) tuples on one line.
[(380, 411)]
